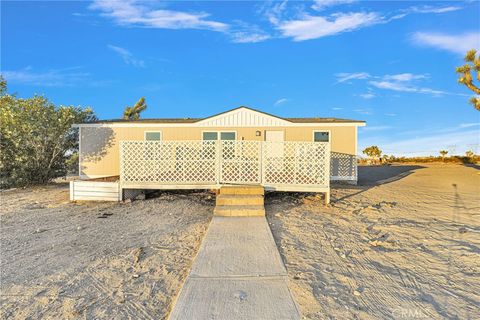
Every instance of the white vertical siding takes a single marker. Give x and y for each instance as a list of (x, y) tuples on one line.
[(243, 118)]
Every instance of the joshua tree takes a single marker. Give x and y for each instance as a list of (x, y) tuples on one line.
[(443, 153), (3, 85), (472, 62), (469, 154), (133, 113), (373, 152), (385, 158)]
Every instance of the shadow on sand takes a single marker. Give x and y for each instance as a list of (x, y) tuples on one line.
[(378, 175), (371, 176), (471, 165)]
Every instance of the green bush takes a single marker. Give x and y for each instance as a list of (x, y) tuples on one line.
[(36, 138)]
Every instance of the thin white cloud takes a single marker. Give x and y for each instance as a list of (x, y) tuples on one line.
[(468, 125), (423, 10), (402, 87), (322, 4), (363, 111), (456, 43), (131, 12), (280, 101), (306, 25), (242, 32), (345, 76), (245, 37), (432, 9), (127, 56), (405, 77), (375, 128), (274, 13), (396, 86), (401, 82), (368, 95), (50, 78), (309, 27), (391, 114), (337, 109)]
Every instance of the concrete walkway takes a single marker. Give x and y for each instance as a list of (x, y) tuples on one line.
[(238, 274)]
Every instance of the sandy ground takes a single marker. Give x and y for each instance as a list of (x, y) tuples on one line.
[(61, 260), (403, 244)]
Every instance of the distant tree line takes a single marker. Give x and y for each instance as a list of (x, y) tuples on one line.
[(375, 156)]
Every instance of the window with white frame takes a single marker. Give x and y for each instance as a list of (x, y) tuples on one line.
[(219, 135), (321, 136), (153, 135)]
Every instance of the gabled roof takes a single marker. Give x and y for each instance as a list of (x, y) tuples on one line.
[(235, 117)]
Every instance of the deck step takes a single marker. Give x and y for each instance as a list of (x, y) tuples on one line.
[(241, 189), (239, 211), (239, 199)]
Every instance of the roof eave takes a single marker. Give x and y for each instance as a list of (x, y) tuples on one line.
[(194, 124)]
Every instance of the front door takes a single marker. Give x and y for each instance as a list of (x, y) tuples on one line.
[(271, 135), (275, 150)]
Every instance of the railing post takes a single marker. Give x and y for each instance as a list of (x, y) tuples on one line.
[(219, 162), (122, 174), (264, 148), (327, 165), (260, 162), (328, 155)]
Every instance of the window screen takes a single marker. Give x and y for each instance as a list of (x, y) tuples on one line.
[(153, 136), (210, 136), (227, 135), (320, 136)]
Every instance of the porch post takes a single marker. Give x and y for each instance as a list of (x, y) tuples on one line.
[(260, 162), (328, 173), (218, 154)]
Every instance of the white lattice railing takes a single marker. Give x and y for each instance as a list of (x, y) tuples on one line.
[(286, 165)]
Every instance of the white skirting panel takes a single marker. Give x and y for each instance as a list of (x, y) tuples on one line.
[(95, 191)]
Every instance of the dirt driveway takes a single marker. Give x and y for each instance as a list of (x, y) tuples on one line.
[(95, 260), (403, 244)]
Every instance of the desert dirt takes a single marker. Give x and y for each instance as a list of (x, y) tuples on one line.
[(404, 243), (61, 260)]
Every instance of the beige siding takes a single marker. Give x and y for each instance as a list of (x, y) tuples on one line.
[(99, 151)]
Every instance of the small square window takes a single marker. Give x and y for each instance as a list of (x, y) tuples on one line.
[(210, 136), (153, 136), (321, 136), (227, 136)]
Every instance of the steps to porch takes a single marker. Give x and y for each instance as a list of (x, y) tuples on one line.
[(238, 201)]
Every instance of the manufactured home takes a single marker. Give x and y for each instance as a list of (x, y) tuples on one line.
[(240, 146)]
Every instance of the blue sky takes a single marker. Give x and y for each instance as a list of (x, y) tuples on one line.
[(391, 63)]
